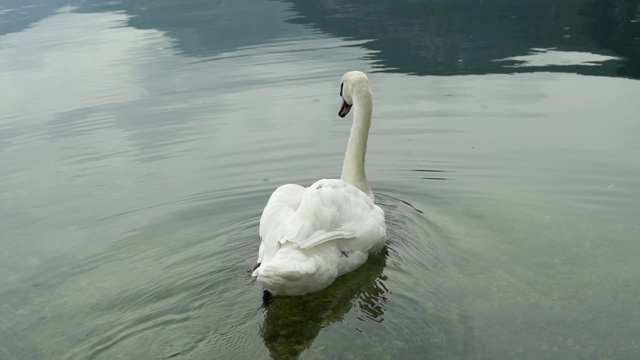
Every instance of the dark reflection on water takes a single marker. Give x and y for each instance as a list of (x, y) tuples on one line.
[(204, 28), (615, 25), (362, 299), (468, 37), (199, 27), (291, 324), (18, 15), (417, 37)]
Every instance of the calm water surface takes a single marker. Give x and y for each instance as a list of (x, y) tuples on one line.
[(139, 142)]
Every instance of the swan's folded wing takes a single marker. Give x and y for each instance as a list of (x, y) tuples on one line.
[(321, 236), (329, 210), (281, 206)]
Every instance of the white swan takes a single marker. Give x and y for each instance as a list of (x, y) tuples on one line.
[(310, 236)]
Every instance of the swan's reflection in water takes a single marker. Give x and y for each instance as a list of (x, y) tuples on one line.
[(423, 280), (291, 324)]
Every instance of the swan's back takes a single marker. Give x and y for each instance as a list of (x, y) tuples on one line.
[(331, 232)]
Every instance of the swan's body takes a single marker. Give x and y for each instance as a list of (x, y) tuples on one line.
[(310, 236)]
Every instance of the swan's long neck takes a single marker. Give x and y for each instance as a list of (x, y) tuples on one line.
[(353, 167)]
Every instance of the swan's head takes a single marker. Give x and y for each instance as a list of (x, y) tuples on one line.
[(351, 83)]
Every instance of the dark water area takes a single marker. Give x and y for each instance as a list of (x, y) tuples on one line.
[(486, 37), (140, 141), (414, 37)]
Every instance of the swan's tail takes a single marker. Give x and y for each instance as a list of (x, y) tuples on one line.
[(277, 279), (292, 277)]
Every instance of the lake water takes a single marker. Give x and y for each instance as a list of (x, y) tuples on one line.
[(140, 140)]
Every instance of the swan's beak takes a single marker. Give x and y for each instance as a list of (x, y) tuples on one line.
[(344, 109)]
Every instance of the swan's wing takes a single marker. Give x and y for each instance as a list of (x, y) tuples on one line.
[(330, 210), (322, 236), (281, 206)]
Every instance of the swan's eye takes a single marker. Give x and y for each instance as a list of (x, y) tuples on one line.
[(341, 85)]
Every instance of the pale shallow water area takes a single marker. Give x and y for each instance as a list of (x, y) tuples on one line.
[(139, 142)]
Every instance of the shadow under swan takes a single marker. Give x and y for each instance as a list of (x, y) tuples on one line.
[(291, 324)]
